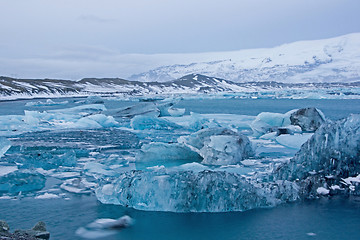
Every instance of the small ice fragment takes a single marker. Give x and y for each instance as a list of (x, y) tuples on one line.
[(5, 144), (311, 234), (47, 196), (108, 223), (322, 191)]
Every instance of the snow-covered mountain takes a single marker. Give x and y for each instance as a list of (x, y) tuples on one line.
[(11, 88), (328, 60)]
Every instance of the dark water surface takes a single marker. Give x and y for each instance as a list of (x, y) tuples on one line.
[(320, 219)]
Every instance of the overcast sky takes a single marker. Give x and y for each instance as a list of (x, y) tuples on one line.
[(83, 38)]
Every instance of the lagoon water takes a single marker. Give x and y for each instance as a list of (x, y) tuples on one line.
[(335, 218)]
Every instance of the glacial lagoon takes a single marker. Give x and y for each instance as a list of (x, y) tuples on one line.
[(72, 148)]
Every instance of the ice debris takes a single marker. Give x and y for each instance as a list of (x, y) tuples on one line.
[(188, 191), (219, 146)]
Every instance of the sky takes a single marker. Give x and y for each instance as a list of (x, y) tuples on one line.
[(72, 39)]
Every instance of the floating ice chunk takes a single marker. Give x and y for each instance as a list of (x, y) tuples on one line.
[(98, 168), (198, 122), (197, 140), (219, 146), (194, 166), (48, 102), (11, 125), (5, 144), (64, 175), (96, 121), (145, 108), (265, 121), (31, 118), (104, 227), (322, 191), (45, 158), (21, 181), (269, 136), (78, 185), (148, 122), (108, 223), (6, 169), (351, 180), (86, 122), (309, 119), (293, 141), (334, 150), (176, 112), (94, 234), (226, 149), (94, 100), (47, 196), (188, 191), (165, 154), (81, 110)]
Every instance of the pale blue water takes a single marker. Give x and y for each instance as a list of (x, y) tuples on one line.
[(336, 218)]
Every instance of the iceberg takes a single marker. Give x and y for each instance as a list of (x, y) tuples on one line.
[(219, 146), (21, 181), (165, 154), (187, 191), (333, 150), (309, 119)]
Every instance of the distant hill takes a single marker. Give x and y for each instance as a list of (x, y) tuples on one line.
[(11, 88)]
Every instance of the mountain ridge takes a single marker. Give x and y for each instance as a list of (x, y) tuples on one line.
[(326, 60)]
